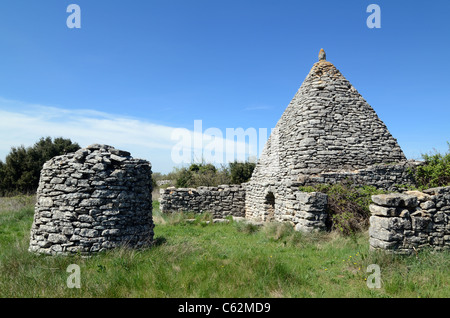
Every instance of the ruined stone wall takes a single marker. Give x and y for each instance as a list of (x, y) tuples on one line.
[(94, 199), (412, 220), (283, 202), (305, 211), (221, 201)]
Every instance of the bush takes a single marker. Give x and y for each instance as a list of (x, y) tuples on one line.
[(206, 174), (435, 172), (183, 178), (348, 205), (199, 174), (21, 171), (241, 171)]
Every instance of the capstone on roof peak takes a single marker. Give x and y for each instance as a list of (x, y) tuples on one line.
[(322, 55)]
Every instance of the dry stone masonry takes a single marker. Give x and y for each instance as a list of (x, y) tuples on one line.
[(327, 133), (221, 201), (328, 126), (94, 199), (285, 203), (405, 222)]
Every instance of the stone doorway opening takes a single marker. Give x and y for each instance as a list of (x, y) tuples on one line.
[(269, 204)]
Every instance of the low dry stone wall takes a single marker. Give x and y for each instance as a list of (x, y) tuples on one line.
[(305, 211), (221, 201), (382, 176), (94, 199), (406, 222)]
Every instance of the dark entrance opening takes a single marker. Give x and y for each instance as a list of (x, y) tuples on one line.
[(270, 206)]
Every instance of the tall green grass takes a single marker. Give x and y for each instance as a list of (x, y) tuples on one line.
[(219, 260)]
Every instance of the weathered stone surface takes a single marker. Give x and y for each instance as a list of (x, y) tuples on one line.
[(45, 201), (383, 211), (395, 200), (421, 197), (96, 198), (426, 205), (56, 238)]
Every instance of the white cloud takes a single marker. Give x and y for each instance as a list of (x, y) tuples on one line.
[(24, 124)]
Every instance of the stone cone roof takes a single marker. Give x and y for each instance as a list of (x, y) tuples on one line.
[(328, 126)]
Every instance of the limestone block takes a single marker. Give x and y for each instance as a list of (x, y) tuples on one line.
[(383, 211), (395, 200), (425, 205), (421, 196)]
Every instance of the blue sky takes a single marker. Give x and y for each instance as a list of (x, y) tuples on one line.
[(137, 70)]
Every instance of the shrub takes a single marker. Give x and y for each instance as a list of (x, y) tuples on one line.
[(199, 174), (206, 174), (241, 171), (348, 205), (183, 178), (435, 172)]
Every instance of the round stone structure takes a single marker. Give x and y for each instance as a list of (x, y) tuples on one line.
[(94, 199)]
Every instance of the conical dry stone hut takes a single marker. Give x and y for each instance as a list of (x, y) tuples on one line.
[(327, 133)]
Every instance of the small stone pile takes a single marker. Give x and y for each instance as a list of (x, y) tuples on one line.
[(406, 222), (94, 199)]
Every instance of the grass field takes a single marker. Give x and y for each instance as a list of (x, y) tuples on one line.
[(217, 260)]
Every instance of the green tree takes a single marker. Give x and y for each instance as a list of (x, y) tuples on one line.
[(21, 171), (2, 176)]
